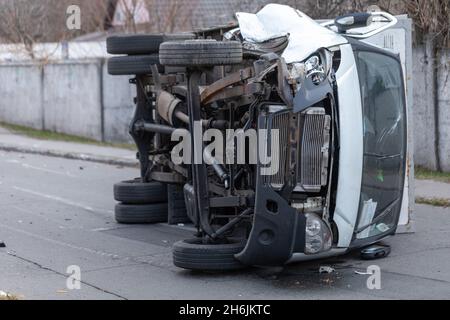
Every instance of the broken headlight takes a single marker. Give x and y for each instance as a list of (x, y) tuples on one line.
[(318, 235), (318, 66)]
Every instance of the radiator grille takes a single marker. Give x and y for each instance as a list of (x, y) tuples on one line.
[(281, 123), (313, 149)]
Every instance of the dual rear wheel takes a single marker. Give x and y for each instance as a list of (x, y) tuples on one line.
[(140, 203), (137, 53), (149, 203)]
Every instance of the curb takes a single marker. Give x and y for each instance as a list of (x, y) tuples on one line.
[(72, 156)]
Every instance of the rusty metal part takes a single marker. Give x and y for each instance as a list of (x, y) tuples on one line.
[(219, 169), (167, 177), (219, 86), (171, 79), (169, 108), (237, 91), (284, 87), (183, 117), (167, 105), (142, 126)]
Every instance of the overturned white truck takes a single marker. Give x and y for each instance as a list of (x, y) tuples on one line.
[(286, 139)]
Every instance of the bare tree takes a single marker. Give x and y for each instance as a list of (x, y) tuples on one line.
[(130, 9), (27, 23), (97, 15), (432, 18), (332, 8), (168, 16)]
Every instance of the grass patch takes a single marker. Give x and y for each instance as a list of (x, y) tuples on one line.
[(425, 174), (49, 135), (435, 202), (7, 297)]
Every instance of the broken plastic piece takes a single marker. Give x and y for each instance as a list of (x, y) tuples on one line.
[(375, 252), (363, 273), (2, 244), (326, 269)]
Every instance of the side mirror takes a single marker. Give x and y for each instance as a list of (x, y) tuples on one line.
[(351, 21)]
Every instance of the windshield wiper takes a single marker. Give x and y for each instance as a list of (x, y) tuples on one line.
[(382, 157)]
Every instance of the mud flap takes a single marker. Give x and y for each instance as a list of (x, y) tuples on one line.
[(278, 231)]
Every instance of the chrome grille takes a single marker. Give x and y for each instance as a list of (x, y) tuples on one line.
[(280, 122), (313, 149), (312, 171)]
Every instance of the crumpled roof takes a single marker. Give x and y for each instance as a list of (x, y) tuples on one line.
[(209, 13), (305, 35)]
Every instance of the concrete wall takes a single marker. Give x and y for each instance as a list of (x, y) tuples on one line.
[(444, 110), (21, 92), (118, 107), (431, 119), (73, 97)]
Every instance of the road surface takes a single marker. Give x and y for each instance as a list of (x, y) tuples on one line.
[(56, 213)]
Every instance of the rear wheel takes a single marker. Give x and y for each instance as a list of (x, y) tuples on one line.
[(194, 255), (141, 214), (137, 192), (133, 65), (141, 43), (201, 53)]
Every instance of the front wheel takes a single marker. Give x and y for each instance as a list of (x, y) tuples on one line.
[(133, 65), (193, 254)]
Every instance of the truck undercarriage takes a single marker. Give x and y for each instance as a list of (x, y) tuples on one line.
[(248, 137), (277, 123)]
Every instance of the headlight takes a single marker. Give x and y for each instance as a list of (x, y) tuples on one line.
[(319, 65), (312, 64), (313, 227), (318, 235)]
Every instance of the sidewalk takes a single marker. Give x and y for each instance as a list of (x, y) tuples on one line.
[(430, 189), (69, 150)]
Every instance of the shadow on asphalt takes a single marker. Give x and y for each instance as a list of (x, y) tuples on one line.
[(302, 275)]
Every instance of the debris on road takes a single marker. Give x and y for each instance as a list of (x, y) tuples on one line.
[(2, 245), (363, 273), (326, 269)]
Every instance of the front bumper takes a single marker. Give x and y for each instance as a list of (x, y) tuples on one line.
[(278, 231)]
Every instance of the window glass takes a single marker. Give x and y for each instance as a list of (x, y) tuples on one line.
[(384, 142)]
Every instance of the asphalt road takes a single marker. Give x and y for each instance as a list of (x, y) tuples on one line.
[(55, 213)]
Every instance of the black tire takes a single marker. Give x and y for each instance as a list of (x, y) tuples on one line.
[(141, 43), (204, 53), (141, 214), (193, 255), (136, 192), (133, 65)]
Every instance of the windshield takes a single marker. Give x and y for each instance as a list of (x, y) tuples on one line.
[(384, 143)]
